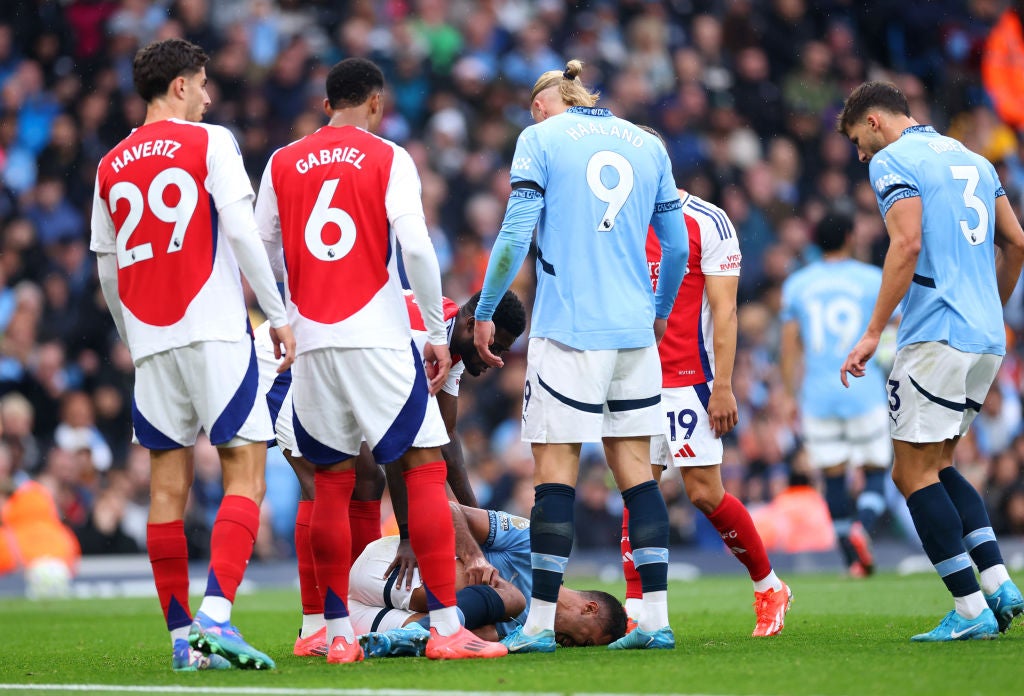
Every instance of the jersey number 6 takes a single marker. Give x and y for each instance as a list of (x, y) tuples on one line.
[(321, 216)]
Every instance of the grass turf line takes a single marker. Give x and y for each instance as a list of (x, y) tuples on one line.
[(842, 636)]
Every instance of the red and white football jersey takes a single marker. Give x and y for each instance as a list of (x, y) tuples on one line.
[(419, 335), (155, 207), (687, 351), (328, 199)]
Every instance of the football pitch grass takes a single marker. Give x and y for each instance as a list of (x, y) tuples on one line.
[(842, 636)]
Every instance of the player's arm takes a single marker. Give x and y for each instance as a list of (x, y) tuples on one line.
[(670, 228), (472, 527), (1010, 240), (102, 242), (525, 204), (268, 221), (458, 479), (722, 408), (791, 353), (405, 213), (903, 222)]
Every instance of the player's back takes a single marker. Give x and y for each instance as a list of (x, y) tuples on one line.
[(602, 177), (508, 549), (335, 189), (954, 296), (832, 303), (177, 279)]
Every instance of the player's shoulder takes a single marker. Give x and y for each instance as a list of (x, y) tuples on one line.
[(711, 219)]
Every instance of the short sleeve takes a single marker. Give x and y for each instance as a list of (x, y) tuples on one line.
[(720, 249), (507, 532), (103, 237), (668, 194), (404, 195), (529, 165), (892, 180), (227, 180), (451, 385)]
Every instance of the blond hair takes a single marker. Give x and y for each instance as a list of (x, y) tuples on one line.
[(570, 88)]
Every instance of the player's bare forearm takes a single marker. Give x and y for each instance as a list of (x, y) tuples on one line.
[(399, 496), (458, 478), (790, 355), (721, 292), (903, 222), (467, 549), (1010, 239)]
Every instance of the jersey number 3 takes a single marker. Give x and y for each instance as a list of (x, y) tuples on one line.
[(179, 214), (969, 175)]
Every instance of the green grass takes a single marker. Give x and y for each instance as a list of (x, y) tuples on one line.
[(842, 637)]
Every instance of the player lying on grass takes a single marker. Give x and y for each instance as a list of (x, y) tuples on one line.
[(493, 580), (364, 509)]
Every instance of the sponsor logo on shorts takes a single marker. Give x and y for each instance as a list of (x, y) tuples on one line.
[(685, 452)]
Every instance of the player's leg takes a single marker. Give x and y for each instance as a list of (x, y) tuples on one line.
[(828, 449), (871, 450), (328, 435), (401, 422), (164, 421), (563, 404), (928, 413), (633, 414), (1001, 594), (312, 638), (364, 509), (634, 588)]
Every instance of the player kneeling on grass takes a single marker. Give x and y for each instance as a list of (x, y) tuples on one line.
[(493, 580), (364, 508)]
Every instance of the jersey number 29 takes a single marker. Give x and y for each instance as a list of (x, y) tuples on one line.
[(179, 214)]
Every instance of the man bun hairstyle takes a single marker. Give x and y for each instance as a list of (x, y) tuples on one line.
[(157, 64), (570, 87), (871, 95), (352, 81)]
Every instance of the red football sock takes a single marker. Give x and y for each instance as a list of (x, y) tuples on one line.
[(312, 602), (634, 590), (733, 523), (431, 533), (231, 541), (364, 519), (331, 539), (168, 554)]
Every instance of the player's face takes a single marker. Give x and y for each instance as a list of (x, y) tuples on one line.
[(196, 97), (866, 136), (579, 630)]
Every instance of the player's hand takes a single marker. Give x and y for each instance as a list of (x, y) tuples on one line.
[(439, 361), (480, 572), (857, 360), (405, 562), (284, 346), (483, 337), (722, 410), (660, 327)]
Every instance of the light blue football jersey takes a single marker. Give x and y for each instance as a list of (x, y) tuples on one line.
[(602, 182), (508, 550), (832, 301), (954, 297)]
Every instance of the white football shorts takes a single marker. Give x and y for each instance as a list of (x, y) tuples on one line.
[(341, 396), (277, 390), (935, 391), (859, 441), (208, 385), (686, 438), (584, 395), (376, 602)]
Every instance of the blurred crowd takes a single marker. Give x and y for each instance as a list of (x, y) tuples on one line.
[(744, 91)]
